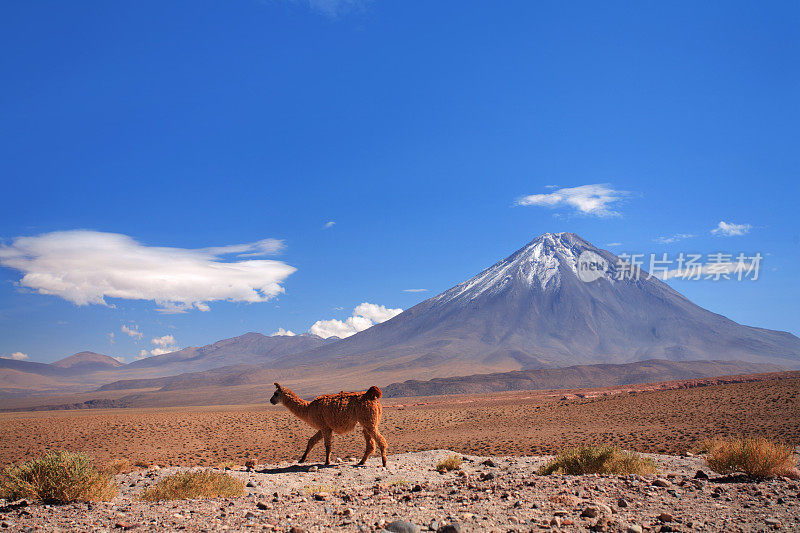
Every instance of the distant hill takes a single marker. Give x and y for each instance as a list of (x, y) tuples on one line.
[(577, 377), (88, 361)]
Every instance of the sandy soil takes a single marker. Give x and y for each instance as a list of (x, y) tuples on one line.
[(518, 423), (501, 495)]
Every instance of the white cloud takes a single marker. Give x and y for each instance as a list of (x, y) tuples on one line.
[(614, 244), (329, 224), (16, 356), (165, 344), (674, 238), (729, 229), (283, 333), (365, 315), (596, 199), (119, 359), (86, 267), (110, 336), (415, 290), (132, 332)]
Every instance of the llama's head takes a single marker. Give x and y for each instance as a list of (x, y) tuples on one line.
[(278, 396)]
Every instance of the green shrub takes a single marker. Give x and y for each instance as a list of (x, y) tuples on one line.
[(58, 477), (192, 485), (598, 460), (755, 456)]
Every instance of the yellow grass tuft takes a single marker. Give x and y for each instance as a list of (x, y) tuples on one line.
[(452, 462), (226, 464), (318, 488), (755, 456), (598, 460), (119, 466), (58, 477), (193, 485)]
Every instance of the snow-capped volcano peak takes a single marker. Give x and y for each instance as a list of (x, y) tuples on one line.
[(542, 262)]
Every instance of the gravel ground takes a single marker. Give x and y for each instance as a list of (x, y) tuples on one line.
[(488, 494)]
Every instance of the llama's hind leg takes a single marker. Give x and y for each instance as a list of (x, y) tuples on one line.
[(315, 438), (370, 446), (328, 434), (381, 444)]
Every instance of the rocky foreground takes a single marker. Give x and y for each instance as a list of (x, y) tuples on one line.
[(487, 494)]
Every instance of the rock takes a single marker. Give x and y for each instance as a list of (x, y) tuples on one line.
[(793, 473), (249, 464), (249, 514), (634, 528), (450, 528), (250, 484), (555, 521), (486, 476), (489, 463), (595, 509), (666, 517), (773, 523), (700, 475), (560, 512), (661, 482), (321, 496), (124, 525), (434, 525), (261, 505), (622, 502), (313, 468), (402, 526), (416, 488), (591, 511), (295, 529)]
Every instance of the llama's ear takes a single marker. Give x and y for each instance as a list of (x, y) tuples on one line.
[(278, 386)]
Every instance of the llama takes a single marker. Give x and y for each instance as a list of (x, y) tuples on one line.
[(337, 413)]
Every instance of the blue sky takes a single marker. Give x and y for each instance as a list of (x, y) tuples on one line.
[(415, 127)]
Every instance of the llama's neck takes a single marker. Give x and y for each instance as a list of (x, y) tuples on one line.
[(295, 404)]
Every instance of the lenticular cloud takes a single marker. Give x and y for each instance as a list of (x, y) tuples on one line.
[(86, 267)]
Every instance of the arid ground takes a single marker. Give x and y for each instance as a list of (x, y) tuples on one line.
[(517, 423)]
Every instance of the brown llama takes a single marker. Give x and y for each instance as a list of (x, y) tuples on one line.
[(337, 413)]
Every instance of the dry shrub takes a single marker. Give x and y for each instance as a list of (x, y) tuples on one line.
[(755, 456), (58, 477), (192, 485), (226, 465), (452, 462), (598, 460), (141, 464), (119, 466), (318, 488)]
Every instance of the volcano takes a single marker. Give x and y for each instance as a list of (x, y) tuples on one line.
[(533, 310)]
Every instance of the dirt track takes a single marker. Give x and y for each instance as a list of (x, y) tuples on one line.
[(519, 423)]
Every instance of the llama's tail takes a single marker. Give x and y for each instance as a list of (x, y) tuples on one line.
[(373, 393)]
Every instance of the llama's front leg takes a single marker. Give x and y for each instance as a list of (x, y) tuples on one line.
[(370, 446), (328, 434), (311, 442)]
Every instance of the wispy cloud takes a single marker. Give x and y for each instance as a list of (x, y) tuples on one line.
[(673, 238), (614, 244), (415, 290), (16, 356), (365, 315), (335, 8), (132, 332), (329, 224), (110, 336), (729, 229), (86, 267), (595, 200)]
